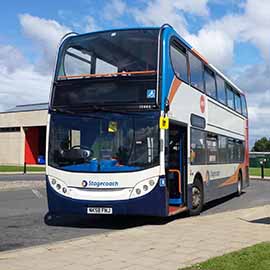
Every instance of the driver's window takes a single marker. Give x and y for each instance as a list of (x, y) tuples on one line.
[(75, 137)]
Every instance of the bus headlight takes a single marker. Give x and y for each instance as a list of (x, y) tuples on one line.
[(144, 187), (58, 185)]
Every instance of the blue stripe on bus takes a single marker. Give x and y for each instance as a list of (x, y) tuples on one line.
[(167, 71), (151, 204)]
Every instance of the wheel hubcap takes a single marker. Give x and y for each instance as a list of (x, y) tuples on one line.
[(196, 197), (239, 186)]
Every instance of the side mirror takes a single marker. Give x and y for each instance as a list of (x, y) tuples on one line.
[(167, 107)]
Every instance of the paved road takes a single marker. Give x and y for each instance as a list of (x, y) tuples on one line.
[(22, 212), (257, 194), (23, 177)]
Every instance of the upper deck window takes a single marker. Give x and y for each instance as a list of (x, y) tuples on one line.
[(244, 105), (107, 68), (196, 71), (210, 82), (237, 103), (230, 97), (179, 61), (104, 53), (221, 92)]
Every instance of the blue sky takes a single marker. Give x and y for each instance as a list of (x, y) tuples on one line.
[(233, 35), (73, 14)]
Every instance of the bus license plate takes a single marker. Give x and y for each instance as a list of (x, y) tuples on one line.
[(99, 210)]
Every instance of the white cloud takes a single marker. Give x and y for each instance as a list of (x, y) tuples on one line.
[(24, 85), (46, 34), (91, 25), (216, 40), (158, 12), (22, 82), (212, 40), (114, 9), (196, 7), (255, 81), (257, 24), (215, 45), (10, 59)]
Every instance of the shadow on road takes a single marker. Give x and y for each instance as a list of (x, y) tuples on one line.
[(122, 222), (109, 222), (219, 201)]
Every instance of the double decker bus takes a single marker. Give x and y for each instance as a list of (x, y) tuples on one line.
[(141, 124)]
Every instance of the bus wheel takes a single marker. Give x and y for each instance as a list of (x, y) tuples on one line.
[(239, 185), (197, 198)]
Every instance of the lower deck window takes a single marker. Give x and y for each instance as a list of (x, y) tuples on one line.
[(208, 148), (197, 147)]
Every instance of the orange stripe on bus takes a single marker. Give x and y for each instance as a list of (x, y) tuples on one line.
[(199, 55), (234, 178), (108, 74), (179, 178), (174, 87)]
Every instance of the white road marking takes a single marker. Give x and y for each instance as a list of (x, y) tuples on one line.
[(37, 193)]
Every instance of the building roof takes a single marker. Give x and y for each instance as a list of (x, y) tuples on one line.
[(29, 107)]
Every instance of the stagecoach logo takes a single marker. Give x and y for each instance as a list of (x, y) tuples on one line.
[(84, 183), (98, 184)]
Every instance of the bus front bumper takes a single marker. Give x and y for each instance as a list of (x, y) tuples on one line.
[(152, 204)]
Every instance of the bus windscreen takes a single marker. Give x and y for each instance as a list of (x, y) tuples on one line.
[(107, 66)]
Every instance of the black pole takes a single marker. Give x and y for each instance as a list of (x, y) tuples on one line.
[(262, 170), (24, 168)]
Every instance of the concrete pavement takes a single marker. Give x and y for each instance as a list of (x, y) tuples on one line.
[(179, 243)]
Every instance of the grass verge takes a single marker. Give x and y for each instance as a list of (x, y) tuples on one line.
[(9, 168), (251, 258), (257, 171)]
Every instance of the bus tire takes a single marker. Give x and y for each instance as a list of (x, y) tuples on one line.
[(239, 185), (197, 198)]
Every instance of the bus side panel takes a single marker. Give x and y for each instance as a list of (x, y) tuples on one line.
[(152, 204)]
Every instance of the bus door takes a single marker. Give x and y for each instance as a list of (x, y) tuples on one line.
[(176, 164)]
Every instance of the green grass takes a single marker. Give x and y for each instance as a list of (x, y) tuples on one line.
[(9, 168), (257, 171), (252, 258)]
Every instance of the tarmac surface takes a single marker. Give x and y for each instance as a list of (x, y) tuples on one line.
[(22, 214), (22, 177)]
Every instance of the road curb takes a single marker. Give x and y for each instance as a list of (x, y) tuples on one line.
[(258, 178), (21, 173)]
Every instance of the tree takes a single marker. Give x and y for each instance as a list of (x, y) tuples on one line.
[(262, 145)]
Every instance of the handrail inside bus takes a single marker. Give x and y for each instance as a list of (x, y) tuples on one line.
[(123, 73), (179, 177)]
